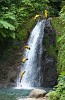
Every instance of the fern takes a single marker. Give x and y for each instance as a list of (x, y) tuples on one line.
[(6, 25), (3, 34), (9, 15), (7, 29), (12, 35), (7, 33)]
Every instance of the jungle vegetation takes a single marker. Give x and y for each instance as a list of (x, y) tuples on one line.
[(16, 20), (15, 13), (59, 25)]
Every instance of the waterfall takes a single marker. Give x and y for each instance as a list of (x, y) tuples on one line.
[(32, 66)]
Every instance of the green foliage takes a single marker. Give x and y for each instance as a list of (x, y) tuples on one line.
[(6, 25), (61, 40), (59, 93), (6, 29), (24, 31), (62, 14), (16, 12), (63, 3), (59, 26), (54, 7)]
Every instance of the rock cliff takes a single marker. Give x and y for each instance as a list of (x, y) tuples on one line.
[(49, 57)]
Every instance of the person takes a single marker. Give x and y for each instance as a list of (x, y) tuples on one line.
[(24, 59), (21, 75), (27, 47), (45, 14), (36, 16)]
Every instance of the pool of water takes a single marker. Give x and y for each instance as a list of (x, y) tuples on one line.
[(16, 94), (13, 94)]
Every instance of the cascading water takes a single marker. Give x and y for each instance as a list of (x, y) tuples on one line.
[(32, 66)]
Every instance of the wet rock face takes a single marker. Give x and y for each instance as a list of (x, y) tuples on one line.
[(48, 70)]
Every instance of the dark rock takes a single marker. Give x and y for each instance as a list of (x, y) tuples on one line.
[(48, 70)]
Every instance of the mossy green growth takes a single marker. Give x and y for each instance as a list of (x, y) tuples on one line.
[(49, 47), (24, 29), (59, 27), (52, 51), (59, 91)]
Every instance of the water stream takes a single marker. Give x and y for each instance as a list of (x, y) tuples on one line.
[(32, 66)]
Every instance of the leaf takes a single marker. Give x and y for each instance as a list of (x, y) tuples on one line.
[(9, 15), (12, 35), (60, 38), (6, 25), (3, 34)]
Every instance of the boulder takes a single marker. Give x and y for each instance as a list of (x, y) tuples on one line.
[(37, 93), (47, 95)]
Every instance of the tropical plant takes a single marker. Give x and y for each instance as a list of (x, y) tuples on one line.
[(59, 92), (62, 14)]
